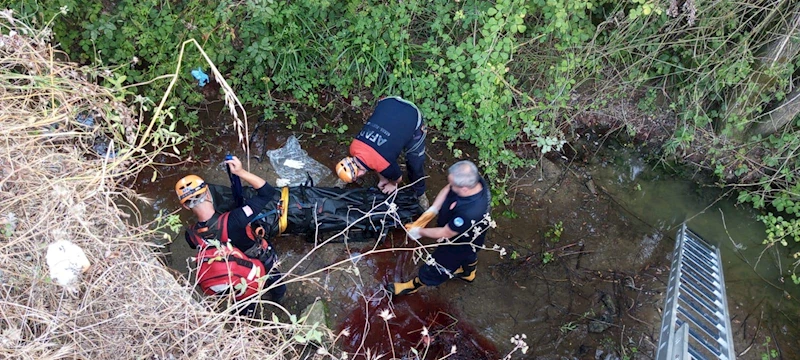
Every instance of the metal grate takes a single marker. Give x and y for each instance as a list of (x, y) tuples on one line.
[(695, 323)]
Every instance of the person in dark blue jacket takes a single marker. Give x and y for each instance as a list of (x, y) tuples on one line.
[(463, 209), (194, 195), (395, 127)]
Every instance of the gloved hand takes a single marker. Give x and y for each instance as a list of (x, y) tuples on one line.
[(414, 233), (423, 219)]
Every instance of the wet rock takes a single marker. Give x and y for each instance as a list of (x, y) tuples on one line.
[(600, 324), (315, 313), (608, 303)]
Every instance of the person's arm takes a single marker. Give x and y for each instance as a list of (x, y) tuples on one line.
[(439, 200), (264, 191), (236, 169), (390, 177), (431, 211), (438, 232)]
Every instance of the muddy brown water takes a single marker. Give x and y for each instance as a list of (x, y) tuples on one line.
[(594, 292)]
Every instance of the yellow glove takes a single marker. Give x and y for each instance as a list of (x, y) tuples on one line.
[(424, 219)]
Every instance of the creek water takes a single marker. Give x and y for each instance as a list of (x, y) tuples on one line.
[(611, 259)]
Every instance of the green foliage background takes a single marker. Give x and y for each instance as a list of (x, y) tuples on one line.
[(490, 73)]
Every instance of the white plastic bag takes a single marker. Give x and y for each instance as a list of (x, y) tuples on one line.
[(293, 165)]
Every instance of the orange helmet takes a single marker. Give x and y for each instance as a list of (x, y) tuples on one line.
[(189, 187), (347, 169)]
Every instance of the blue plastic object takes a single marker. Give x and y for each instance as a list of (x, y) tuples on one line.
[(202, 78), (228, 157)]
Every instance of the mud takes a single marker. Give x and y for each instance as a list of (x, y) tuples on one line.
[(593, 292)]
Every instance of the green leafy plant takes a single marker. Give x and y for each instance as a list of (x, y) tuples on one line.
[(554, 233), (510, 213), (547, 257), (767, 351)]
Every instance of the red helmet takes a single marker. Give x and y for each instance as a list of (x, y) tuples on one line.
[(191, 186)]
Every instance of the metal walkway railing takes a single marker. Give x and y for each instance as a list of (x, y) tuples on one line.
[(695, 323)]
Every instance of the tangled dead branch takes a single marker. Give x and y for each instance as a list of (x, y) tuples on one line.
[(69, 147)]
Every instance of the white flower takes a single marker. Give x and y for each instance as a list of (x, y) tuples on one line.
[(386, 315), (453, 349), (519, 342), (64, 9)]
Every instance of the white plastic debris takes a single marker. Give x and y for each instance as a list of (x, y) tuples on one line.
[(294, 164), (66, 262), (281, 182)]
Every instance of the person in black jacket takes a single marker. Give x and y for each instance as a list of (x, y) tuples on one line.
[(396, 126), (235, 224), (463, 209)]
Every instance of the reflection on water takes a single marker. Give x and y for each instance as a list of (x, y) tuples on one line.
[(751, 272)]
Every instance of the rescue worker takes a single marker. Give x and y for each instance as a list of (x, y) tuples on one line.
[(194, 195), (460, 205), (395, 126)]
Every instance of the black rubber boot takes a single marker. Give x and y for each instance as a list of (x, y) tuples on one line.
[(467, 272), (406, 288)]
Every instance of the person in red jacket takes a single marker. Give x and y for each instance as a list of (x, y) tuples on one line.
[(194, 195), (396, 126)]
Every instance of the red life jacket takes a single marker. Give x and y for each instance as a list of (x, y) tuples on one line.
[(226, 268)]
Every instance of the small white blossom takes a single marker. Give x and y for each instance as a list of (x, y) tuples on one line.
[(386, 315), (519, 342), (64, 10), (453, 349)]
